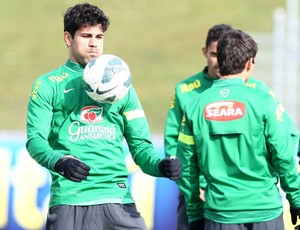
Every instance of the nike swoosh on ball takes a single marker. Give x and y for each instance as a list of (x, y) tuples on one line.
[(105, 91)]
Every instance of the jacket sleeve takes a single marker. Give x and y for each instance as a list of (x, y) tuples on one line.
[(282, 147), (294, 132), (172, 128), (172, 125), (138, 136), (39, 118), (189, 182), (262, 86)]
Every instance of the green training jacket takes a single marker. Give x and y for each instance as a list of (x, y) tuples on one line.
[(186, 91), (63, 120), (237, 136)]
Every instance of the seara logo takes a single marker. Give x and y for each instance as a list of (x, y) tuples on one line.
[(224, 111), (91, 114)]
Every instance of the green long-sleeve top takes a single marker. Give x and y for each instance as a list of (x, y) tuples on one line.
[(63, 120), (187, 90), (238, 138)]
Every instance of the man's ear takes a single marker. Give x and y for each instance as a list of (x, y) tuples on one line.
[(250, 64), (68, 38), (204, 50)]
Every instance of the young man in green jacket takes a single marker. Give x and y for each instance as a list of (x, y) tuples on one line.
[(238, 138), (186, 91), (80, 141)]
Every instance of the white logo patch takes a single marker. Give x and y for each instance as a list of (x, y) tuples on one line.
[(224, 92), (68, 90)]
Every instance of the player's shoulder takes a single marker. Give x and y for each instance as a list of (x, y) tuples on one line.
[(131, 92), (257, 84), (256, 87), (194, 83), (130, 97), (55, 76), (187, 85), (259, 93), (55, 72)]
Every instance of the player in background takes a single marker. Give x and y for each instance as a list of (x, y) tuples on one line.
[(236, 136), (187, 90), (89, 188)]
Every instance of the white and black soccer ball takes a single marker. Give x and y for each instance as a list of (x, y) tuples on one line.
[(107, 78)]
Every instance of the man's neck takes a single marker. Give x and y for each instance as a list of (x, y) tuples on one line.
[(243, 75)]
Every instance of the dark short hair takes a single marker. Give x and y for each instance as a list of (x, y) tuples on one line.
[(215, 32), (83, 15), (234, 49)]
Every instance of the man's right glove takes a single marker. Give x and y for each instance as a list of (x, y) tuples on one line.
[(170, 167), (72, 168), (295, 213)]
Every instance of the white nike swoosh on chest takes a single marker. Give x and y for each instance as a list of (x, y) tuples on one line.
[(68, 90)]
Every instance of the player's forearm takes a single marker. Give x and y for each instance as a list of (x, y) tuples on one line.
[(148, 160), (41, 152), (171, 133), (170, 142), (189, 185)]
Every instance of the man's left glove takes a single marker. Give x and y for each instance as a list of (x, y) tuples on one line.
[(295, 213), (170, 167)]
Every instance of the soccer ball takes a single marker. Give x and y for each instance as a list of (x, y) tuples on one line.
[(106, 79)]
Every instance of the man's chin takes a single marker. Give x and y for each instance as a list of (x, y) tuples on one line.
[(217, 75), (90, 58)]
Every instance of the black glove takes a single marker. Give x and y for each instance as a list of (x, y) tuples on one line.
[(170, 168), (295, 213), (72, 168), (197, 225)]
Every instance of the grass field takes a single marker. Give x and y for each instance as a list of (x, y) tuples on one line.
[(160, 40)]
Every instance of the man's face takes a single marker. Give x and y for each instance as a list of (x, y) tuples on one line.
[(86, 44), (210, 54)]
